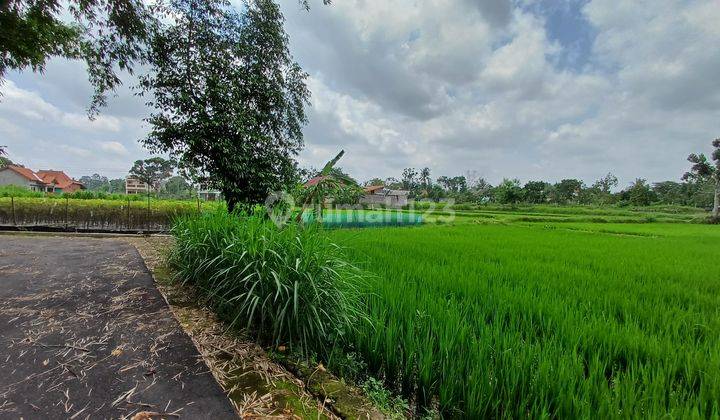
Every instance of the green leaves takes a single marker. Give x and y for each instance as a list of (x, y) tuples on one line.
[(152, 171), (106, 34), (229, 97), (288, 286)]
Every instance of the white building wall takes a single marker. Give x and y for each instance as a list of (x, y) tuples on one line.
[(10, 177)]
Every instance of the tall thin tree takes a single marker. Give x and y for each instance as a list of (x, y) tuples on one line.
[(702, 171), (229, 97)]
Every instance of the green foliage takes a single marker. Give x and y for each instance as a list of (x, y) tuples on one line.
[(152, 171), (86, 212), (4, 161), (228, 97), (106, 34), (639, 193), (508, 192), (568, 191), (16, 191), (394, 407), (100, 183), (703, 172), (537, 192), (178, 188), (95, 182), (288, 286), (549, 320)]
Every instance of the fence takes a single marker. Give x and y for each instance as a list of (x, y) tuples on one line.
[(94, 215)]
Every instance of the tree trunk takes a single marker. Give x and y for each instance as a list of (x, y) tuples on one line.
[(318, 211), (716, 202)]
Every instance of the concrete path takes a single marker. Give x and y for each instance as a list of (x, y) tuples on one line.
[(84, 333)]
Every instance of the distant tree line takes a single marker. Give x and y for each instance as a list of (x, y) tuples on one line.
[(698, 192), (699, 187), (156, 172)]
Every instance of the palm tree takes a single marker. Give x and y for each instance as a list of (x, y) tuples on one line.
[(327, 182)]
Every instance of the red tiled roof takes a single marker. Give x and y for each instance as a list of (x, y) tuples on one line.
[(26, 173), (373, 188), (59, 178), (314, 181)]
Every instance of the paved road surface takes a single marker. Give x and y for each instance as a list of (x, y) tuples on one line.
[(85, 334)]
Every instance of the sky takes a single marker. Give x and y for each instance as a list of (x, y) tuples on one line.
[(535, 90)]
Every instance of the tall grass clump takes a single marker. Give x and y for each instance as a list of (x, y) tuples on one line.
[(289, 285)]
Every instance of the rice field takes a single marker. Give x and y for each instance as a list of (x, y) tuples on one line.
[(366, 218), (555, 319)]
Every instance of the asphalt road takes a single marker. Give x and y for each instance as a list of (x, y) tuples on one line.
[(84, 333)]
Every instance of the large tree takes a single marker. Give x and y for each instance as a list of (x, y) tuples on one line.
[(509, 192), (109, 35), (639, 193), (95, 182), (229, 98), (568, 190), (536, 192), (703, 171), (153, 171)]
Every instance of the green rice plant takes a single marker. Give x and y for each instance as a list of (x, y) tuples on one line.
[(364, 218), (287, 286), (581, 320)]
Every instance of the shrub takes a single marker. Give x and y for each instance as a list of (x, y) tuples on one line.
[(16, 191), (289, 285), (116, 215)]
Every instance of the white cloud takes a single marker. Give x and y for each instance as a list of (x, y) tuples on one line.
[(433, 83), (30, 105), (76, 151), (113, 147), (455, 85)]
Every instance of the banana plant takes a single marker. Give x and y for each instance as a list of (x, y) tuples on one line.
[(329, 182)]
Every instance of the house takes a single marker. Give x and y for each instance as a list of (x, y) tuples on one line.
[(58, 181), (44, 181), (135, 186), (378, 194), (205, 192), (21, 177)]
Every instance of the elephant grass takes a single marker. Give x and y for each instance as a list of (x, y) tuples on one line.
[(287, 286)]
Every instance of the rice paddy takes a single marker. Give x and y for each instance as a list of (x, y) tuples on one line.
[(366, 218), (526, 314), (544, 319)]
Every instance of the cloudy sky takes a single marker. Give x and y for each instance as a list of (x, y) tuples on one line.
[(546, 89)]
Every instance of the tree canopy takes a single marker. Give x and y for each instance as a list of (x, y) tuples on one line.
[(229, 98), (153, 171), (702, 171), (108, 35)]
